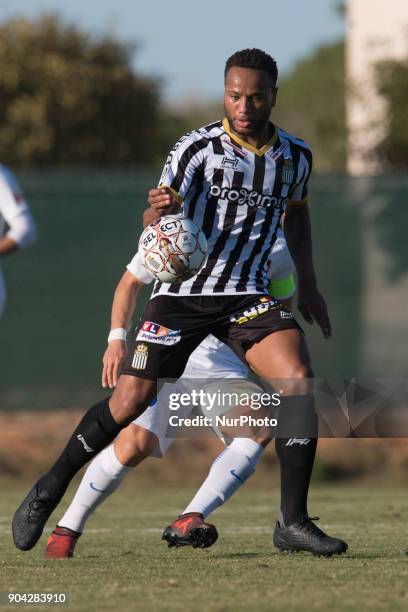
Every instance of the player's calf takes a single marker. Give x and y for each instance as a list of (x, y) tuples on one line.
[(99, 426)]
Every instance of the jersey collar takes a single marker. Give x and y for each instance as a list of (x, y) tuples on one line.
[(246, 145)]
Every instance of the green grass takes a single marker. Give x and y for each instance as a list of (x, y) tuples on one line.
[(121, 562)]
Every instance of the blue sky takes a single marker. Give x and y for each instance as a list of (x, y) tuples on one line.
[(188, 41)]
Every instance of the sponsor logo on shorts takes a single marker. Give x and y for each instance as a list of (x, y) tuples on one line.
[(158, 334), (265, 304), (286, 314), (140, 357)]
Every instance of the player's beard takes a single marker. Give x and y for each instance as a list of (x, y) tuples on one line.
[(255, 129)]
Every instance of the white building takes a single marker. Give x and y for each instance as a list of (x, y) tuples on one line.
[(376, 30)]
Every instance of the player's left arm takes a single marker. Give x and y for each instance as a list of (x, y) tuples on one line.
[(298, 234)]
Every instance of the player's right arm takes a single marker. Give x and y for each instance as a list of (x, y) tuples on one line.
[(123, 308), (14, 209), (178, 175)]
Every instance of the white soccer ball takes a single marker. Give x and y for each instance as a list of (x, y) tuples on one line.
[(173, 249)]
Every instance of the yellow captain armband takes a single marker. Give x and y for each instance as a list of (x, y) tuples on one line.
[(283, 288), (173, 192)]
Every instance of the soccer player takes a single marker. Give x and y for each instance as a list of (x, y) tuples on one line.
[(15, 213), (147, 436), (235, 178)]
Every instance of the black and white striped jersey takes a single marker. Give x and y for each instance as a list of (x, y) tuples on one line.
[(236, 193)]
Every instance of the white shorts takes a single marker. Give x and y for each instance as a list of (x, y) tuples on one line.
[(211, 360)]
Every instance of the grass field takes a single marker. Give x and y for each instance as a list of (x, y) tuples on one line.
[(121, 562)]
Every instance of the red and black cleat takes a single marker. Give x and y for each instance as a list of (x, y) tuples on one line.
[(61, 543), (190, 530)]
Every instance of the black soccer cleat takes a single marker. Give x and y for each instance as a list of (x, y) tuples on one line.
[(308, 537), (190, 530), (30, 517)]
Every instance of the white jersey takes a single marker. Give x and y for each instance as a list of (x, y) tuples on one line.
[(14, 211), (15, 214), (236, 194)]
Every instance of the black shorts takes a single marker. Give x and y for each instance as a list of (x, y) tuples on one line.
[(171, 328)]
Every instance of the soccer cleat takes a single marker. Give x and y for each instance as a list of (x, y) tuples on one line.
[(61, 543), (30, 517), (190, 530), (308, 537)]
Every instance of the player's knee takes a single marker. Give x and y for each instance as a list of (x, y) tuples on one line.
[(296, 379), (134, 444), (143, 442), (302, 371)]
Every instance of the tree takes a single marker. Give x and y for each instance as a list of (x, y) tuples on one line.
[(311, 104), (69, 99), (392, 84)]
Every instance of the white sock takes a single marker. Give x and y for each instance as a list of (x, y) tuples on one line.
[(101, 479), (227, 474)]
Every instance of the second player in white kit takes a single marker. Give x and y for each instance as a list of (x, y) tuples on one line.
[(15, 214), (212, 358), (105, 473)]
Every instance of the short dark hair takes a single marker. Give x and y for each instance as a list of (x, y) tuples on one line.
[(255, 59)]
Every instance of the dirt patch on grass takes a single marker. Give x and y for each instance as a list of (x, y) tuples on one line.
[(30, 442)]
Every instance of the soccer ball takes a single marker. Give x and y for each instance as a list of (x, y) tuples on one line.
[(173, 249)]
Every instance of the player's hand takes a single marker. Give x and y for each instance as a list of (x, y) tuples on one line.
[(112, 360), (161, 199), (313, 307)]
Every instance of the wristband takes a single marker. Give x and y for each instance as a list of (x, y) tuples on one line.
[(119, 333)]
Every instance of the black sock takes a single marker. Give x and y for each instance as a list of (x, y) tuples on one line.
[(296, 455), (95, 431)]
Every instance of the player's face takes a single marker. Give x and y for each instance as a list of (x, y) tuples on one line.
[(249, 98)]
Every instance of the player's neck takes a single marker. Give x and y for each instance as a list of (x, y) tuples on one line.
[(261, 138)]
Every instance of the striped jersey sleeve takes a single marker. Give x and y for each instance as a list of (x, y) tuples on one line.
[(299, 192), (182, 164)]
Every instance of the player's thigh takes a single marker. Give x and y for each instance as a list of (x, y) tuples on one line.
[(282, 355), (134, 444), (131, 397)]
